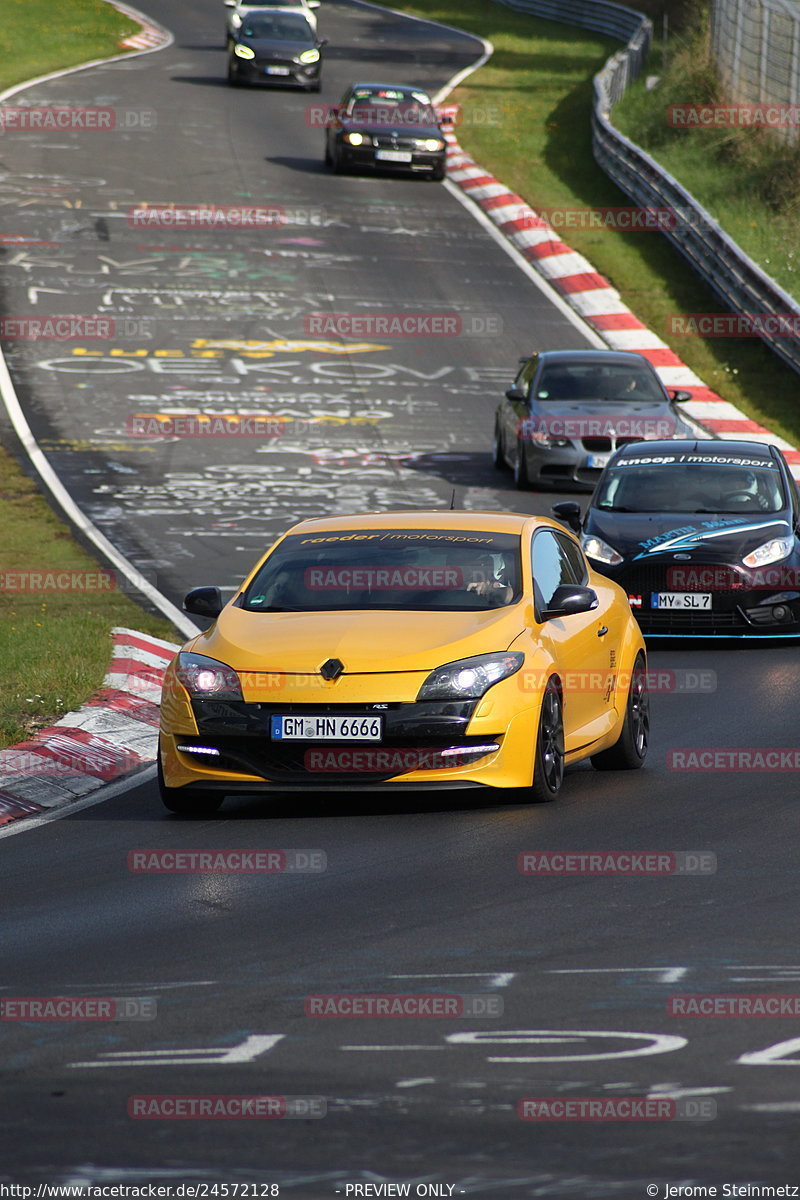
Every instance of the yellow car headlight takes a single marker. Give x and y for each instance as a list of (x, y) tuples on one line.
[(469, 678), (244, 52), (309, 56), (357, 139), (430, 144), (206, 679)]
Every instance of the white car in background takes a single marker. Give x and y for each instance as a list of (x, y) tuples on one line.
[(239, 9)]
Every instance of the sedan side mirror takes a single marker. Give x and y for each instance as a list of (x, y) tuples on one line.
[(680, 396), (570, 598), (313, 3), (515, 393), (322, 42), (569, 511), (203, 602), (230, 3)]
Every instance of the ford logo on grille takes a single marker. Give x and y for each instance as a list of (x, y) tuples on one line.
[(682, 557)]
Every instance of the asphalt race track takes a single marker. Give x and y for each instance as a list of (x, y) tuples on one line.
[(418, 895)]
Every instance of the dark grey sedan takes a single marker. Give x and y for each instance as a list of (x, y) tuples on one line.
[(569, 410)]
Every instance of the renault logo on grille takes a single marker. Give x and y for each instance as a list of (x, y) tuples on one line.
[(331, 669)]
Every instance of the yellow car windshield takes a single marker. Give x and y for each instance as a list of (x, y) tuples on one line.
[(420, 569)]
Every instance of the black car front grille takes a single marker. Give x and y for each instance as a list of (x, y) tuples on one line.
[(385, 142), (666, 576), (689, 620), (351, 762)]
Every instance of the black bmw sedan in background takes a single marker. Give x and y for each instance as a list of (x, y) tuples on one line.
[(387, 127), (702, 535)]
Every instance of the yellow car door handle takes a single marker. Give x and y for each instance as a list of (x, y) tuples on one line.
[(602, 631)]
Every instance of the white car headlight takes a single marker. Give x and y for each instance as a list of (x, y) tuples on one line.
[(205, 678), (599, 550), (429, 144), (469, 678), (244, 52), (309, 56), (769, 552)]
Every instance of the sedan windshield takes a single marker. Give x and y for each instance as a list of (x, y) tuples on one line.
[(277, 27), (419, 569), (718, 485), (569, 381)]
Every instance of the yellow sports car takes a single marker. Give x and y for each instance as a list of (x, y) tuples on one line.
[(406, 650)]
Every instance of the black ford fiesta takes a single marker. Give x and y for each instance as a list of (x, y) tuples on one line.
[(702, 535), (273, 46)]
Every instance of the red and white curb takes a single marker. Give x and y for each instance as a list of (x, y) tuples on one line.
[(594, 299), (114, 733), (150, 35)]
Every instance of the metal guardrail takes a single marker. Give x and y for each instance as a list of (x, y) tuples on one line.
[(738, 281)]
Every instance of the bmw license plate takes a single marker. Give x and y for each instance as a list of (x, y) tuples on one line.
[(393, 155), (312, 728), (277, 71), (680, 600), (597, 460)]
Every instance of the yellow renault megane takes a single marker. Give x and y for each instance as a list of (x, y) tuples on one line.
[(406, 650)]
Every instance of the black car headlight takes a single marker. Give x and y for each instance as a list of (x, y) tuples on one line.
[(205, 678), (772, 551), (595, 548), (469, 678)]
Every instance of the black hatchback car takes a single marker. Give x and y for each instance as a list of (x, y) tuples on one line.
[(272, 46), (568, 411), (702, 535), (387, 127)]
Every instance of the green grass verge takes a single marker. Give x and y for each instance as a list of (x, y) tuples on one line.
[(38, 36), (54, 646), (539, 79)]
